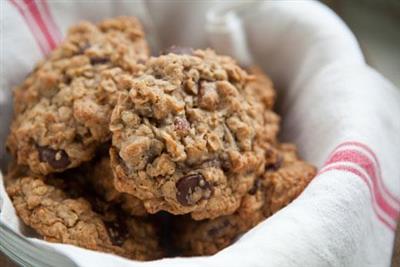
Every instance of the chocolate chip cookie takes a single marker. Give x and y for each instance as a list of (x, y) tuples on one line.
[(62, 210), (62, 109), (189, 135), (260, 91), (284, 179)]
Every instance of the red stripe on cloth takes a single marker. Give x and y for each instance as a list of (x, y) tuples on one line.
[(371, 152), (364, 162), (31, 25), (31, 4), (55, 30), (390, 225)]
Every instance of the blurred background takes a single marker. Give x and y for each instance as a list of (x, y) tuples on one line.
[(376, 24)]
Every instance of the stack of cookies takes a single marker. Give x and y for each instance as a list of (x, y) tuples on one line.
[(146, 157)]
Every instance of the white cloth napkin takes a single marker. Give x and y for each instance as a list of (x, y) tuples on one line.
[(343, 115)]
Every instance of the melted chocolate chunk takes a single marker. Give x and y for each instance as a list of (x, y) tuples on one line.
[(276, 165), (78, 138), (67, 79), (118, 232), (97, 204), (256, 186), (158, 76), (226, 164), (58, 159), (99, 60), (189, 185)]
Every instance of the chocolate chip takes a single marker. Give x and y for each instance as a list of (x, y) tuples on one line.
[(226, 164), (78, 138), (99, 60), (276, 165), (118, 231), (192, 188), (58, 159), (181, 125), (178, 50), (213, 231), (98, 205), (256, 186), (67, 79)]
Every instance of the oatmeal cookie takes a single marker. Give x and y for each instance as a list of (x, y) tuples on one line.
[(260, 91), (284, 179), (189, 136), (62, 109), (61, 213), (261, 87)]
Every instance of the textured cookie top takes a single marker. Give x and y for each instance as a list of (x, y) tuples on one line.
[(62, 109), (66, 213), (188, 136)]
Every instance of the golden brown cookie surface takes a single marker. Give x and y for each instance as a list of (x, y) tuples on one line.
[(62, 210), (189, 136), (62, 109), (282, 182)]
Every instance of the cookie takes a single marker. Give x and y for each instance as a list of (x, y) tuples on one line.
[(101, 177), (62, 109), (189, 136), (260, 91), (62, 211), (261, 87), (282, 182)]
